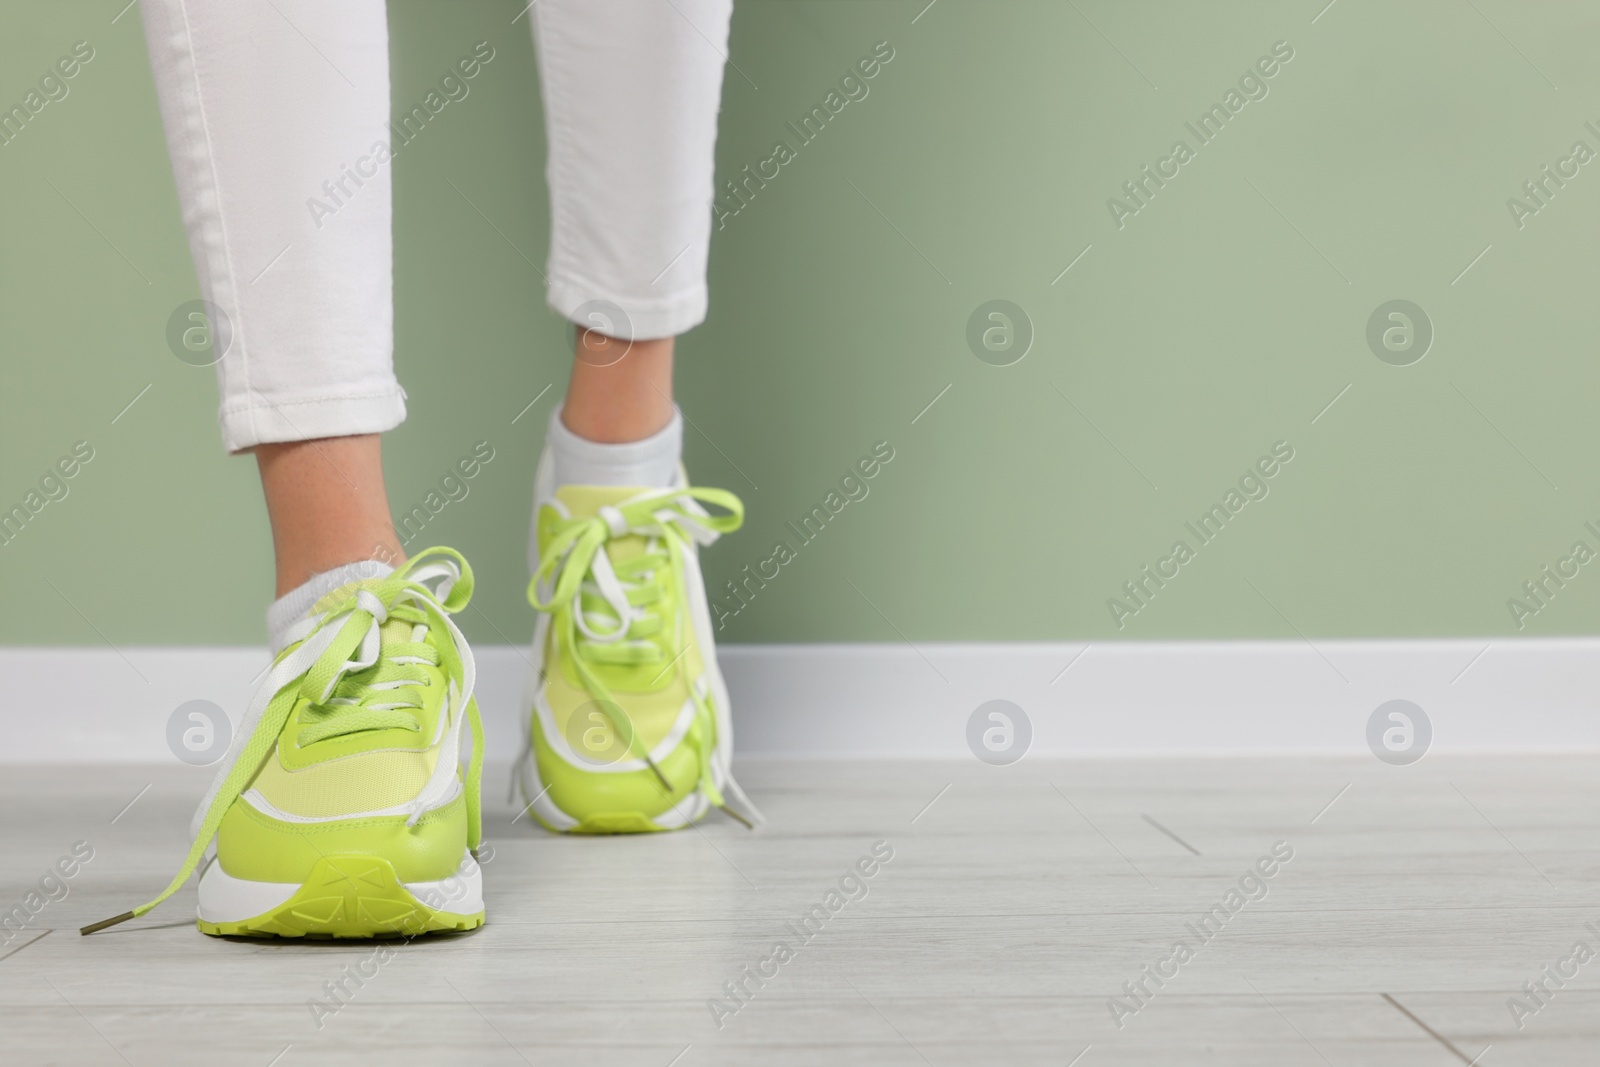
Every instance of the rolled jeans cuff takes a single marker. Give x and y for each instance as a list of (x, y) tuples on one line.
[(663, 316), (247, 424)]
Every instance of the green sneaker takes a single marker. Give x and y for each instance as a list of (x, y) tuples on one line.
[(627, 713), (342, 811)]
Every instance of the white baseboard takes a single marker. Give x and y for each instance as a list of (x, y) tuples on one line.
[(890, 700)]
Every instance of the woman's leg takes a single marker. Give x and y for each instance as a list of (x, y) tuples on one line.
[(631, 94), (341, 808), (612, 399), (328, 506), (632, 733), (276, 116)]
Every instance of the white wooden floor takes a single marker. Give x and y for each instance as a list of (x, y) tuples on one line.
[(1019, 900)]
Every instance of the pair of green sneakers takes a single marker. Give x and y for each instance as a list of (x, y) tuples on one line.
[(342, 809)]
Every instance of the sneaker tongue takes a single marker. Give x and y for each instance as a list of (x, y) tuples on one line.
[(394, 630), (585, 501), (341, 594)]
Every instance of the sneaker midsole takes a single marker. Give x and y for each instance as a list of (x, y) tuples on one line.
[(226, 899)]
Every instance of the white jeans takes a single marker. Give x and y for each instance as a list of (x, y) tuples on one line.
[(277, 117)]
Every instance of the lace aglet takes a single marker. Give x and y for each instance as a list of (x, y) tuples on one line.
[(726, 810), (94, 928)]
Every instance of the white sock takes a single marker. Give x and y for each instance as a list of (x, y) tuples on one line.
[(652, 462), (293, 605)]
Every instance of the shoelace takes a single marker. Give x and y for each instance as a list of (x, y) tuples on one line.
[(346, 640), (604, 610)]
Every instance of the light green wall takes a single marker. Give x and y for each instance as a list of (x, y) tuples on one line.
[(1218, 320)]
